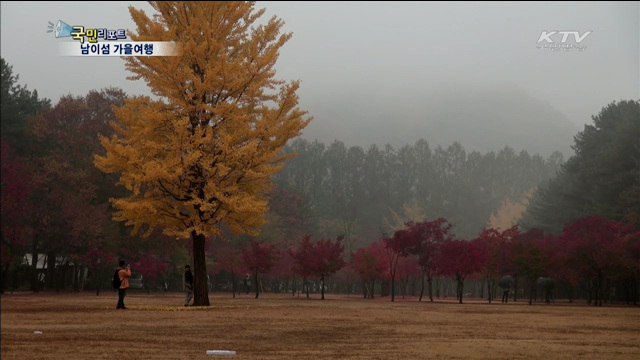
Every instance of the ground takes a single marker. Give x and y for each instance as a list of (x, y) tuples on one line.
[(158, 326)]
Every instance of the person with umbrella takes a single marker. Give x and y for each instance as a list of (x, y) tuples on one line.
[(505, 283)]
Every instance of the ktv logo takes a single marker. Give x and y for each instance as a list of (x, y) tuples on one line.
[(559, 40)]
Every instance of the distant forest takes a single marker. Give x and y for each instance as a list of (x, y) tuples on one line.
[(353, 191)]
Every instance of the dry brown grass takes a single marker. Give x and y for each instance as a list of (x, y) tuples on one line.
[(157, 326)]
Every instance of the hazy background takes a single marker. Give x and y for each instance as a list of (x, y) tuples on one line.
[(385, 72)]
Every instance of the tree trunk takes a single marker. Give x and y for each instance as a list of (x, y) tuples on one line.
[(429, 284), (200, 286), (413, 285), (322, 289), (255, 280), (50, 279), (384, 287), (515, 288), (57, 274), (532, 290), (627, 293), (393, 287), (631, 291), (14, 281), (599, 290), (233, 283), (76, 277), (421, 287), (100, 276), (489, 292), (371, 288), (5, 273), (34, 265), (570, 290), (62, 283), (403, 283), (460, 288)]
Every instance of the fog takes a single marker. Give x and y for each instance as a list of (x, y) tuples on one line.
[(395, 72)]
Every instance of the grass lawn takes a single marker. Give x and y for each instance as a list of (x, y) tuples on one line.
[(158, 326)]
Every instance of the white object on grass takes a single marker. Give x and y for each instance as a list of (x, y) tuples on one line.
[(221, 352), (37, 332)]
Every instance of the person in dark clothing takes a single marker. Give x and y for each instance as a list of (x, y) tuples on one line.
[(505, 294), (247, 283), (187, 282)]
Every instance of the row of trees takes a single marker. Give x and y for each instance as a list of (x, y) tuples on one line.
[(592, 255), (55, 203), (603, 177), (591, 252), (581, 229), (350, 191)]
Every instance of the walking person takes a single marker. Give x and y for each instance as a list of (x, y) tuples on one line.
[(247, 283), (187, 282), (124, 273), (506, 283), (505, 294)]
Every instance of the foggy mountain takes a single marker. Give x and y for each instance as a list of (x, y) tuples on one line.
[(481, 119)]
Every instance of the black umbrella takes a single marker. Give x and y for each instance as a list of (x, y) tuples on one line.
[(506, 282)]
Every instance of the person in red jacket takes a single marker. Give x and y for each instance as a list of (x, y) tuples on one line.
[(124, 273)]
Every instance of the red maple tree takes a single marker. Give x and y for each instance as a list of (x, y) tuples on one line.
[(425, 240), (397, 246), (320, 259), (458, 259), (17, 184), (151, 266), (228, 258), (493, 251), (531, 257), (259, 259), (596, 247), (372, 265)]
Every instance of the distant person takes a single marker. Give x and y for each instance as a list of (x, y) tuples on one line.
[(247, 283), (505, 294), (41, 280), (124, 273), (187, 282)]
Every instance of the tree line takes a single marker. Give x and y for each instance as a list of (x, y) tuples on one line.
[(579, 226), (357, 193)]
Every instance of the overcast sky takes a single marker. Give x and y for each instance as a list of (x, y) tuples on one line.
[(341, 50)]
